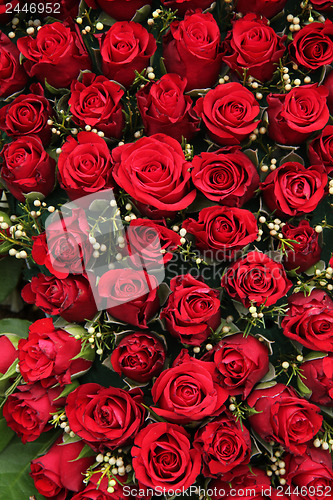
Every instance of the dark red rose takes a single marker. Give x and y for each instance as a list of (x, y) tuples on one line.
[(131, 296), (154, 172), (8, 352), (84, 165), (188, 392), (6, 12), (138, 356), (47, 355), (117, 8), (223, 231), (71, 297), (309, 320), (321, 149), (58, 471), (284, 417), (229, 113), (254, 47), (267, 8), (295, 115), (56, 54), (192, 312), (328, 83), (29, 409), (105, 417), (293, 189), (240, 362), (125, 48), (312, 46), (223, 443), (165, 109), (12, 75), (184, 5), (163, 457), (28, 115), (192, 50), (318, 377), (305, 250), (323, 5), (96, 102), (256, 279), (27, 167), (225, 176)]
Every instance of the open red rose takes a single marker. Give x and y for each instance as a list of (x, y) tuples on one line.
[(256, 279), (253, 46), (226, 176), (165, 109), (191, 49), (309, 320), (267, 8), (56, 54), (117, 8), (305, 250), (284, 417), (223, 443), (105, 417), (184, 5), (222, 231), (294, 116), (125, 48), (229, 113), (318, 377), (8, 353), (12, 75), (192, 311), (163, 457), (312, 46), (321, 149)]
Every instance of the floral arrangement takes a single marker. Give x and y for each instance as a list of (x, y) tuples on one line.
[(166, 179)]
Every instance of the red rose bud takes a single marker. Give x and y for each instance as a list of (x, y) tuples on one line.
[(229, 113), (284, 417), (13, 78), (182, 6), (321, 149), (305, 250), (52, 355), (95, 101), (312, 46), (191, 49), (59, 470), (139, 356), (266, 8), (318, 378), (192, 312), (105, 418), (117, 8), (56, 54), (125, 48)]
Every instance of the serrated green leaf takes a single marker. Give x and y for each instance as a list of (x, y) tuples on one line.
[(315, 355), (141, 14), (265, 385), (85, 452), (68, 389), (13, 325)]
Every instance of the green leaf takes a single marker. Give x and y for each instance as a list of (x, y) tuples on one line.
[(10, 271), (53, 90), (315, 355), (303, 389), (33, 195), (13, 325), (68, 389), (104, 18), (270, 375), (141, 14), (85, 452), (5, 247), (6, 434)]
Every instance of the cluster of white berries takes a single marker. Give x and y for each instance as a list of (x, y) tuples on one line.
[(254, 313), (330, 186), (224, 79), (182, 233), (295, 23), (274, 226), (321, 443), (64, 424), (150, 73), (117, 464), (155, 15), (265, 168), (278, 467)]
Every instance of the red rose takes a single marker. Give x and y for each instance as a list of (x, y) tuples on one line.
[(310, 320), (229, 113), (294, 116), (312, 46), (12, 75), (293, 189), (226, 176), (318, 375), (56, 54), (27, 167), (323, 5), (165, 109), (125, 48), (223, 231), (284, 417), (8, 352), (321, 149), (223, 443), (96, 102), (305, 250), (47, 355), (163, 457), (138, 356), (184, 5), (256, 279), (71, 297), (191, 49), (130, 295), (29, 409), (188, 392), (166, 189), (50, 472), (105, 417), (253, 46), (192, 311), (328, 83), (267, 8), (84, 165), (240, 362), (27, 115), (117, 8)]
